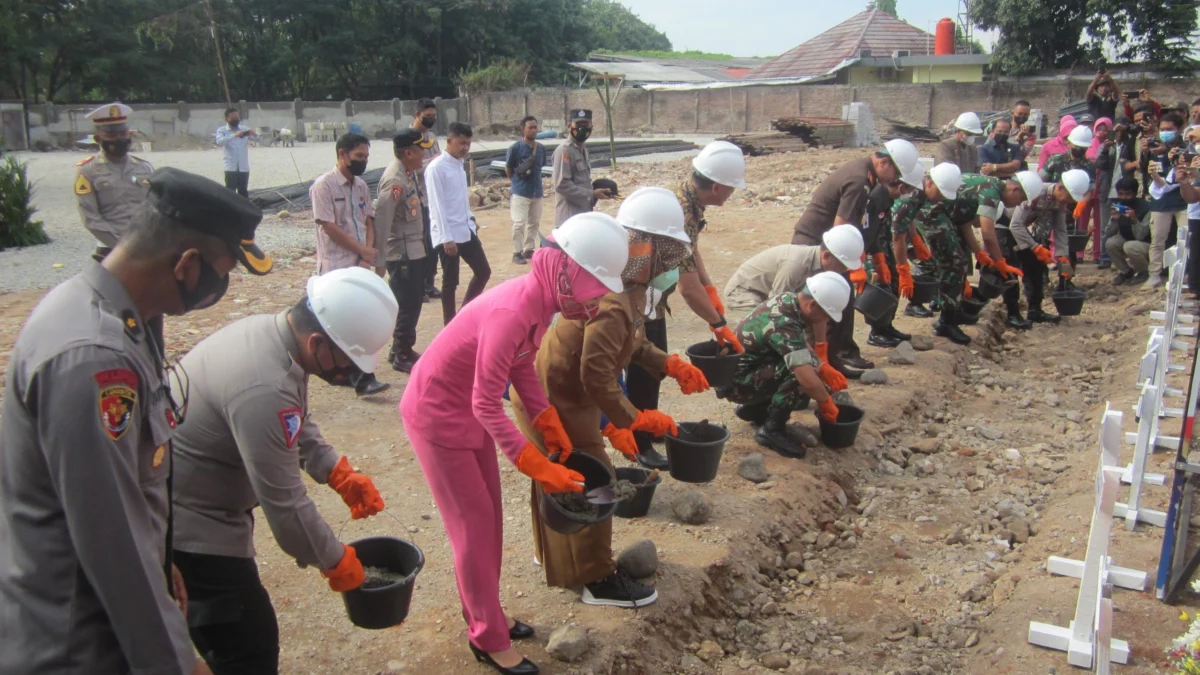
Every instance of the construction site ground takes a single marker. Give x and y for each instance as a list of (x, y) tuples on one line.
[(920, 550)]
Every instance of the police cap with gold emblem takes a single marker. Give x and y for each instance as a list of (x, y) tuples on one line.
[(581, 115), (203, 205), (111, 117), (409, 138)]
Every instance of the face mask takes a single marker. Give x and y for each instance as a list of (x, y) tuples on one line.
[(339, 376), (357, 167), (581, 134), (233, 123), (665, 281), (1020, 121), (428, 122), (573, 310), (117, 148), (1167, 136), (210, 288), (1078, 152), (1001, 139)]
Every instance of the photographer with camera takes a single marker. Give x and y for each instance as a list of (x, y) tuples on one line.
[(1102, 95), (1168, 210), (1187, 174)]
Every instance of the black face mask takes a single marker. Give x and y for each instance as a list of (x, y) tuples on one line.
[(1020, 121), (1078, 153), (428, 122), (233, 123), (210, 288), (1001, 139), (581, 134), (117, 148), (339, 376), (357, 167)]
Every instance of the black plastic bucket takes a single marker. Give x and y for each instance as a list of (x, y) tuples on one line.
[(695, 454), (1069, 302), (876, 303), (1076, 243), (595, 474), (386, 606), (638, 505), (973, 305), (992, 285), (717, 369), (843, 432), (925, 289)]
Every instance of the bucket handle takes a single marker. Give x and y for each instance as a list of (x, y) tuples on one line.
[(403, 528)]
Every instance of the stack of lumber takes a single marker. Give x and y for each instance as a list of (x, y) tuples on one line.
[(916, 133), (795, 134), (767, 143)]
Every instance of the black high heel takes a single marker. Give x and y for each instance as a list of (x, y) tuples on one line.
[(525, 667), (520, 631)]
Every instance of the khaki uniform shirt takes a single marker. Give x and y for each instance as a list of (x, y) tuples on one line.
[(572, 181), (246, 438), (843, 194), (399, 227), (775, 271), (84, 459), (963, 155), (109, 194), (431, 153), (579, 361)]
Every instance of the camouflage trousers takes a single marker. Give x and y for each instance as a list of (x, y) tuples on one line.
[(772, 381), (949, 263)]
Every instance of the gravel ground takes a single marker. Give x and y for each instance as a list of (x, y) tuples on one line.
[(54, 174)]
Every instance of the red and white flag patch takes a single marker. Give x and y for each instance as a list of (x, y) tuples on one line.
[(292, 420)]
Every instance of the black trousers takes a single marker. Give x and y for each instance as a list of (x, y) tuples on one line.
[(230, 617), (407, 281), (239, 182), (642, 387), (476, 259), (1193, 243), (431, 259), (1033, 281)]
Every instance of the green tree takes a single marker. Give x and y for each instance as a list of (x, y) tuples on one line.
[(1158, 33), (886, 6), (613, 26)]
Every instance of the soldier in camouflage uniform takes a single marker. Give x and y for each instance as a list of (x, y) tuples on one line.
[(779, 373)]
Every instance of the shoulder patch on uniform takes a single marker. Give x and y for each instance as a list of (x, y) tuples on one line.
[(397, 192), (292, 420), (83, 186), (85, 160), (117, 400)]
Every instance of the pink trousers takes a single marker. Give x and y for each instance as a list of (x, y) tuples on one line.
[(466, 486)]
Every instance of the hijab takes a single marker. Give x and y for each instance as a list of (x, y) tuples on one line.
[(1094, 151), (551, 265)]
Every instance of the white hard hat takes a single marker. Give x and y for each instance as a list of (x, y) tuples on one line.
[(1031, 183), (969, 122), (948, 178), (831, 291), (904, 155), (1080, 137), (357, 310), (845, 242), (598, 243), (722, 162), (913, 175), (1077, 183), (654, 210)]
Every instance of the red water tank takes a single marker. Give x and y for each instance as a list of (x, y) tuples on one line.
[(943, 40)]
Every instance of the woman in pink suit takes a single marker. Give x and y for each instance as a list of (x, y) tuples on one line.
[(1058, 144), (454, 416)]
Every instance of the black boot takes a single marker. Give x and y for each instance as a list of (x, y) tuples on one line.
[(754, 413), (403, 362), (367, 385), (773, 434), (1038, 316), (854, 361), (1016, 322), (647, 455), (947, 327), (917, 311), (879, 338), (891, 331)]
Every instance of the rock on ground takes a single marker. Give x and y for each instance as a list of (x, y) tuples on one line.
[(922, 343), (874, 376), (639, 560), (753, 469), (568, 643), (903, 354), (692, 508), (775, 660), (710, 651)]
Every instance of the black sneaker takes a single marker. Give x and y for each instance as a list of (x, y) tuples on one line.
[(618, 590), (519, 259), (917, 311)]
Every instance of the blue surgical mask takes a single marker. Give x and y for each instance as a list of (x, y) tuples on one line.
[(1167, 136), (665, 280)]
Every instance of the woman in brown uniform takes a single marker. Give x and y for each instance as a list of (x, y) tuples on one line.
[(578, 364)]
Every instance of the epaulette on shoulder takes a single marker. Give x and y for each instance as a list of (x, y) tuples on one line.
[(85, 160)]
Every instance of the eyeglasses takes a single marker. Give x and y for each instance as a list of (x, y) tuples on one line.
[(178, 380)]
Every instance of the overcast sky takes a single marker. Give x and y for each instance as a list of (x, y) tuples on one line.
[(770, 27)]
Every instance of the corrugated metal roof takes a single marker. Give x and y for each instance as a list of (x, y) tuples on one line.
[(643, 72), (872, 29)]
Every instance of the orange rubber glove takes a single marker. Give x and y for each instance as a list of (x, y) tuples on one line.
[(1080, 209), (967, 289), (690, 378), (551, 476), (1044, 255), (726, 336), (1007, 270), (554, 436), (715, 299), (623, 440), (919, 247), (655, 422), (858, 277), (984, 259), (348, 575), (827, 410), (356, 489), (881, 267), (1065, 269), (906, 280), (828, 374)]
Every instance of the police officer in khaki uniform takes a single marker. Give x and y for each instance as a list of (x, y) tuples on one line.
[(85, 448), (399, 241), (246, 442), (111, 185), (424, 121), (572, 177)]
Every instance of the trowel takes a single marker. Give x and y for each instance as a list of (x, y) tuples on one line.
[(601, 495)]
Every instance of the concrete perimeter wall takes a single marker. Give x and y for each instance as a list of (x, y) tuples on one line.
[(751, 108)]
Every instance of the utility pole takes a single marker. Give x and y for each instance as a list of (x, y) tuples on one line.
[(609, 100), (212, 27)]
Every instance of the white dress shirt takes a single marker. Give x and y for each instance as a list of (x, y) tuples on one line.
[(237, 150), (449, 206)]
